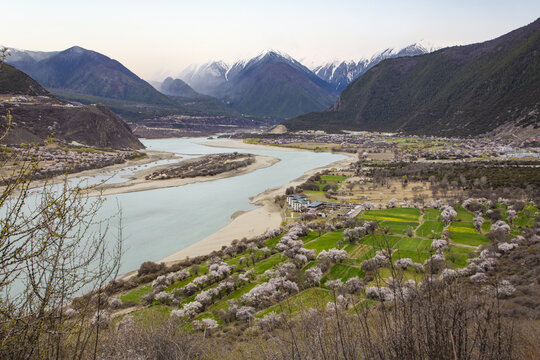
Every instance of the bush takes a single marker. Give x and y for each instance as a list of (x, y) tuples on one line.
[(150, 267)]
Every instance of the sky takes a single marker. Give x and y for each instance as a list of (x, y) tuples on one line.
[(157, 38)]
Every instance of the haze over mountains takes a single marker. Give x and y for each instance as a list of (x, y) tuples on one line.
[(271, 85), (275, 84), (460, 90)]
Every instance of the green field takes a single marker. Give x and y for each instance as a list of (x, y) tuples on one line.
[(465, 233), (223, 303), (463, 214), (309, 298), (397, 227), (267, 263), (136, 294), (432, 214), (343, 272), (457, 255), (398, 214), (326, 242), (430, 229)]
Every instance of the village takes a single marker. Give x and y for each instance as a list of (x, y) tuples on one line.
[(390, 146)]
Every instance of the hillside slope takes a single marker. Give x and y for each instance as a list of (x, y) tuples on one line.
[(37, 115), (463, 90), (90, 73), (271, 84)]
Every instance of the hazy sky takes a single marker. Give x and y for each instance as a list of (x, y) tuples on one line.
[(154, 38)]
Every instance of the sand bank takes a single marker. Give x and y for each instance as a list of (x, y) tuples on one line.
[(139, 183)]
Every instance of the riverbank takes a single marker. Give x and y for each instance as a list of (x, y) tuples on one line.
[(251, 223), (139, 183)]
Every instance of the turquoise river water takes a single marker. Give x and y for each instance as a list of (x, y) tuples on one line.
[(159, 222)]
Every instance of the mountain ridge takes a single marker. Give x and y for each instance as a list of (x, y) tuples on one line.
[(38, 115), (460, 90)]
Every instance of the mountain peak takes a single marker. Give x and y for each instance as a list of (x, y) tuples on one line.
[(272, 53)]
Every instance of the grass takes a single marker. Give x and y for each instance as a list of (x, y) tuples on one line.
[(486, 226), (136, 294), (398, 214), (385, 273), (463, 214), (152, 315), (467, 237), (359, 252), (336, 178), (458, 255), (432, 214), (416, 249), (463, 227), (310, 236), (326, 241), (523, 221), (379, 241), (398, 227), (267, 263), (309, 298), (408, 244), (179, 284), (343, 272), (273, 241), (430, 228), (223, 303)]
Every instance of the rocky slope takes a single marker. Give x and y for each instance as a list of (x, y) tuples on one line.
[(37, 115)]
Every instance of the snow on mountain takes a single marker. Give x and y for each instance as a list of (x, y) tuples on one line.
[(205, 78), (210, 77), (342, 73), (16, 55)]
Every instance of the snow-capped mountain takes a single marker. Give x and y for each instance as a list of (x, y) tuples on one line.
[(342, 73), (269, 84), (17, 55), (206, 78)]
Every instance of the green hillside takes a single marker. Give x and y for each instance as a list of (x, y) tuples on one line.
[(463, 90)]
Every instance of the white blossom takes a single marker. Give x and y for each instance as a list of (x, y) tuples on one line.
[(505, 289), (505, 247), (478, 278), (403, 263)]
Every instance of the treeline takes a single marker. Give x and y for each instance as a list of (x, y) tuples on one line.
[(497, 173)]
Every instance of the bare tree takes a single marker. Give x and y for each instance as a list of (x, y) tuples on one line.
[(53, 248)]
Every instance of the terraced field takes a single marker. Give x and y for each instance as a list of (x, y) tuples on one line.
[(394, 232)]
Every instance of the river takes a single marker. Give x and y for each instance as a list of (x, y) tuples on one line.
[(159, 222)]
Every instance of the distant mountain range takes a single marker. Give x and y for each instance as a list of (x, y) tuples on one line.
[(461, 90), (342, 73), (275, 84), (37, 115), (77, 74), (86, 72), (177, 87), (271, 85)]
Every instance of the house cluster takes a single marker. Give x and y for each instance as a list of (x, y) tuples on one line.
[(299, 203)]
